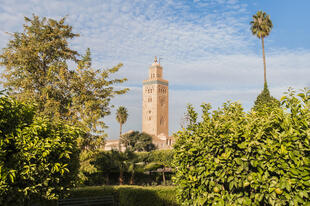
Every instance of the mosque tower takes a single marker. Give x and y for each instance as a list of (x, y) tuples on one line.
[(155, 102)]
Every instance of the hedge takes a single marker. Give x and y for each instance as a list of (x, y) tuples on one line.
[(155, 196), (129, 195)]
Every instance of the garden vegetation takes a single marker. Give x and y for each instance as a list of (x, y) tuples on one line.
[(231, 157), (51, 128), (39, 158)]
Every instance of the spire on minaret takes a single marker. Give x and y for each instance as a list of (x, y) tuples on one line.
[(155, 60)]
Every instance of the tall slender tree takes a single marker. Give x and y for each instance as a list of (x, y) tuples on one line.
[(261, 27), (121, 117)]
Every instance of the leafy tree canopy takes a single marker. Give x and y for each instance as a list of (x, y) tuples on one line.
[(38, 157), (37, 69), (159, 159), (136, 141), (232, 157), (165, 157)]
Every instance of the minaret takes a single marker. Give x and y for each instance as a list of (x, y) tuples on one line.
[(155, 102)]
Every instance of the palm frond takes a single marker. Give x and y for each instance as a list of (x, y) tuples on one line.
[(261, 24)]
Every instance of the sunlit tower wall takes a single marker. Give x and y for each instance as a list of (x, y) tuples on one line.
[(155, 102)]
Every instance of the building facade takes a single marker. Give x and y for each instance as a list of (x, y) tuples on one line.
[(155, 106), (155, 109)]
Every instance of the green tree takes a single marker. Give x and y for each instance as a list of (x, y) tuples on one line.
[(113, 161), (129, 139), (264, 100), (261, 27), (134, 166), (36, 70), (123, 161), (38, 157), (137, 142), (144, 143), (121, 117), (87, 167), (160, 159), (107, 162), (232, 157)]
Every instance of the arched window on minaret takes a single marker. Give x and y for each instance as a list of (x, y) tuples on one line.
[(161, 120)]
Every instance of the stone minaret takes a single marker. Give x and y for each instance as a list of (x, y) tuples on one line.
[(155, 102)]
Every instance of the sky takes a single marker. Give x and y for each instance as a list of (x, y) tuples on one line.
[(208, 51)]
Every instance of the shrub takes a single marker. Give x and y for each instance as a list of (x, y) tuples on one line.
[(237, 158), (131, 195), (38, 158)]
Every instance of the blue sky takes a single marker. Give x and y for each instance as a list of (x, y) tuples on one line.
[(209, 54), (291, 27)]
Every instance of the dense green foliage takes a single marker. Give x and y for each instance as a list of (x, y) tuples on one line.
[(165, 157), (237, 158), (36, 63), (37, 70), (38, 157), (114, 167), (86, 167), (160, 159), (109, 162), (265, 100), (136, 141)]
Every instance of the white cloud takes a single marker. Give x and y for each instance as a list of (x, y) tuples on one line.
[(223, 77), (207, 49)]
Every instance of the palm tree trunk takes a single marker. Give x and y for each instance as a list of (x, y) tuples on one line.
[(121, 177), (132, 178), (120, 134), (164, 178), (264, 60), (107, 181)]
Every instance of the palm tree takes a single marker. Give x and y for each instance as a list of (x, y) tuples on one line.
[(124, 161), (134, 165), (261, 27), (160, 159), (121, 117)]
